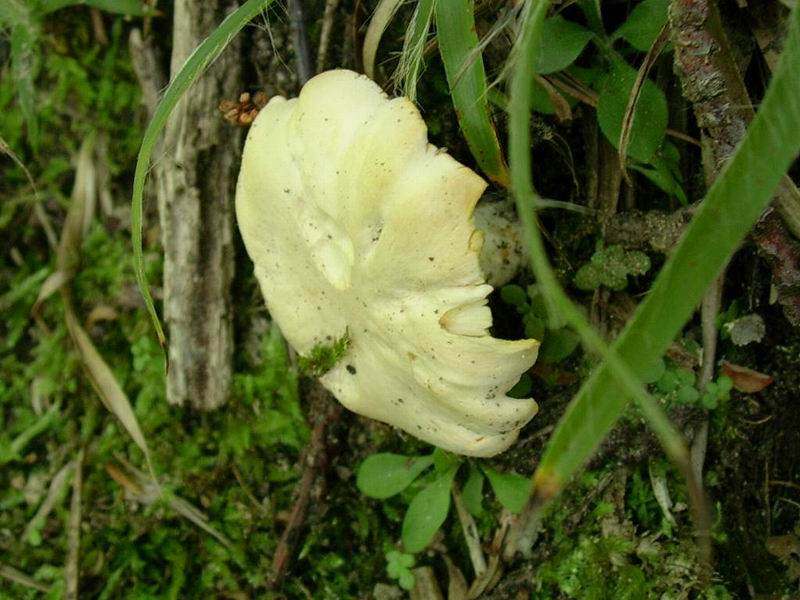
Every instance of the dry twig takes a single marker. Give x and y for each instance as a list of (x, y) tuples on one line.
[(323, 411)]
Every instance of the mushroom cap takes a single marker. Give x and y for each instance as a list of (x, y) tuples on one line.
[(358, 226)]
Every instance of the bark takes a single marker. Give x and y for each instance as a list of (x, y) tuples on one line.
[(710, 70), (196, 179)]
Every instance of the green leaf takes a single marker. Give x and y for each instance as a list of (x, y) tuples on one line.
[(660, 174), (511, 490), (384, 475), (650, 118), (515, 296), (562, 42), (427, 512), (443, 460), (463, 64), (406, 580), (731, 207), (668, 382), (644, 23), (591, 10), (473, 491), (558, 344), (399, 567), (540, 100), (654, 371), (133, 8), (687, 394)]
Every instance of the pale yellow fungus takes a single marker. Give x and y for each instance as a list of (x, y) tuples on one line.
[(357, 224)]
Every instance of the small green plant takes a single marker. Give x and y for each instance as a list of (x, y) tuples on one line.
[(323, 357), (610, 267), (608, 81), (398, 566), (23, 19), (679, 384), (558, 343), (384, 475)]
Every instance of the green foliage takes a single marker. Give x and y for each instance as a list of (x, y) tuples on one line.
[(385, 475), (398, 566), (717, 392), (678, 384), (740, 193), (23, 20), (323, 357), (643, 24), (427, 511), (412, 59), (623, 546), (473, 491), (458, 46), (650, 116), (511, 490), (610, 267), (121, 7), (562, 42), (558, 343), (664, 171)]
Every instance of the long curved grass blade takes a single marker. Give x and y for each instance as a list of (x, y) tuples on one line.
[(377, 25), (560, 308), (455, 29), (205, 54), (732, 206)]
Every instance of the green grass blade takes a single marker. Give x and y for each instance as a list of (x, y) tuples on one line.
[(731, 207), (133, 8), (380, 20), (205, 54), (17, 17), (455, 27), (412, 60), (560, 308)]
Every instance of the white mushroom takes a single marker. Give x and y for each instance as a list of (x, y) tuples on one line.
[(504, 250), (358, 226)]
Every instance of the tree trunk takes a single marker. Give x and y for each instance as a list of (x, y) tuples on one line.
[(196, 180)]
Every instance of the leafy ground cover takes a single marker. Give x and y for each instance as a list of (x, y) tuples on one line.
[(77, 504)]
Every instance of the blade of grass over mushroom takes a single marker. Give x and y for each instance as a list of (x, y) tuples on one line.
[(377, 25), (731, 207), (455, 30), (412, 59), (193, 68)]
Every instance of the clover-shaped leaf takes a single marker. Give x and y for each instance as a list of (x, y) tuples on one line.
[(610, 267)]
